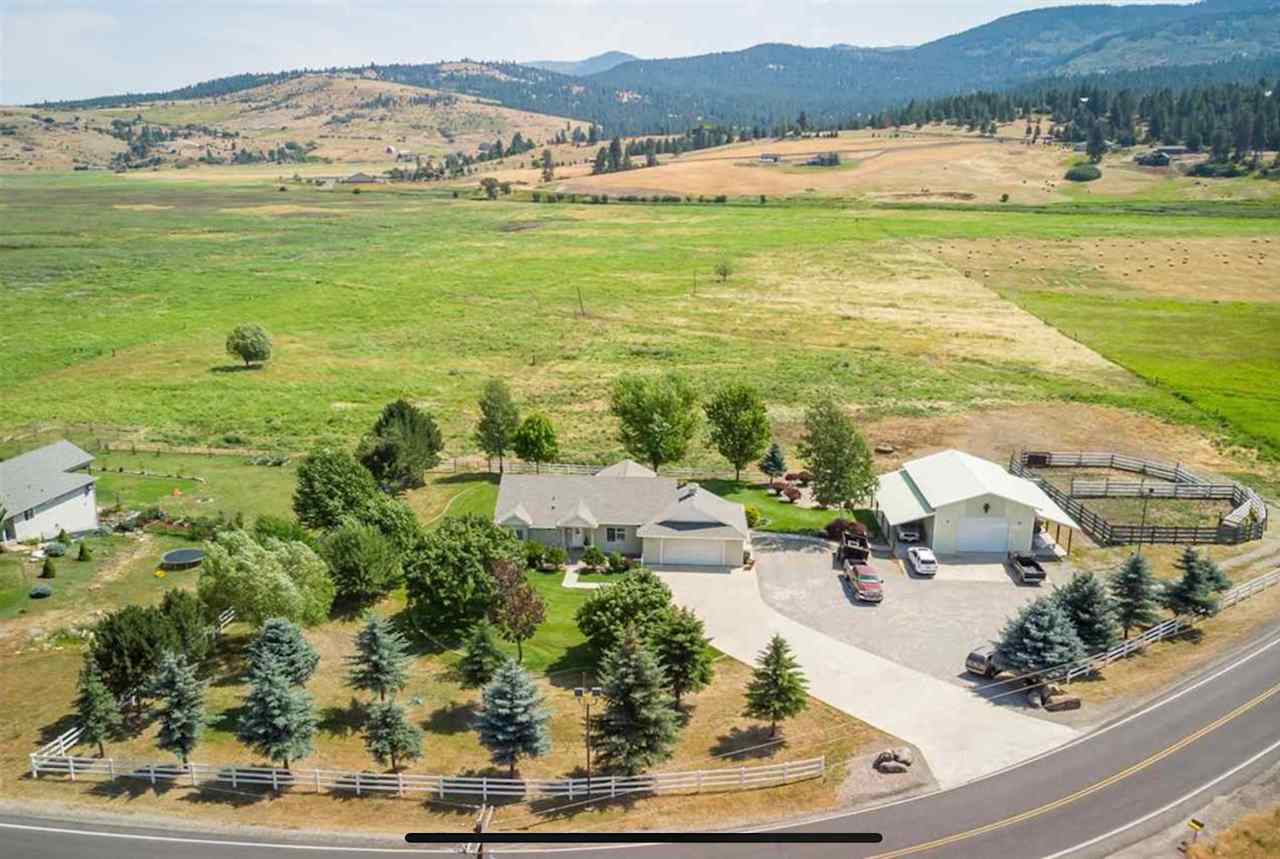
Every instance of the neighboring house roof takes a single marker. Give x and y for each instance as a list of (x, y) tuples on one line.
[(698, 514), (626, 468), (923, 485), (41, 475), (545, 500)]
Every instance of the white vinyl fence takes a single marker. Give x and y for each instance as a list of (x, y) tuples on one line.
[(54, 761)]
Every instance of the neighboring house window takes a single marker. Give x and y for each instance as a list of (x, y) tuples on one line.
[(519, 533), (615, 535)]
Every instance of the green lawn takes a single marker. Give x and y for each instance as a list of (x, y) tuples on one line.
[(781, 516), (408, 294)]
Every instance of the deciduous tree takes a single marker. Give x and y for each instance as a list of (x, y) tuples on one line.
[(837, 455), (640, 602), (363, 563), (517, 610), (331, 486), (250, 343), (278, 579), (657, 416), (738, 423), (447, 577), (535, 441), (402, 446)]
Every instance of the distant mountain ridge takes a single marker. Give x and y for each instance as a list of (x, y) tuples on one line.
[(589, 66), (773, 82)]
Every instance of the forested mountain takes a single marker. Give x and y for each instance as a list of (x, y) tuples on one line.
[(768, 84), (589, 66)]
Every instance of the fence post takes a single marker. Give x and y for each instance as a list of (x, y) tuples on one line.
[(484, 788), (111, 768), (357, 784), (71, 767), (35, 767), (742, 776), (400, 784), (613, 786), (192, 769), (151, 769), (699, 781), (317, 774), (275, 781), (234, 771), (786, 771)]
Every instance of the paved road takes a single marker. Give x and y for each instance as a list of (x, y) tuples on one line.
[(961, 735), (1196, 741)]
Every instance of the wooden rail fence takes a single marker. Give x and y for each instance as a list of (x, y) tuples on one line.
[(408, 784), (1247, 520)]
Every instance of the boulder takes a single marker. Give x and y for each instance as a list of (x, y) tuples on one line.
[(884, 447), (904, 755), (883, 757), (1059, 704), (1035, 699), (892, 767)]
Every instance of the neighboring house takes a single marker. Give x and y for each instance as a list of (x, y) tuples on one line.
[(47, 490), (362, 179), (961, 504), (625, 508)]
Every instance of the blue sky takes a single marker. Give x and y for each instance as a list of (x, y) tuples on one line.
[(59, 49)]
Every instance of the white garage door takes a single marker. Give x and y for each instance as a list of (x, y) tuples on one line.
[(693, 552), (982, 535)]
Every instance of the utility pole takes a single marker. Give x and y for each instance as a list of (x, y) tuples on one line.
[(585, 696), (1148, 491)]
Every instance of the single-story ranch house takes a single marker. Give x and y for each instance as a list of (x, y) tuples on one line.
[(47, 490), (960, 503), (625, 508)]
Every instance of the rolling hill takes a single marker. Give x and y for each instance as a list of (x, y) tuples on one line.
[(589, 66)]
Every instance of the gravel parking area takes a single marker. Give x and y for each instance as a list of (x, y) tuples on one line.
[(926, 624)]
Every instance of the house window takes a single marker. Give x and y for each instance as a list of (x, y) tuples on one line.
[(519, 533), (615, 535), (28, 515)]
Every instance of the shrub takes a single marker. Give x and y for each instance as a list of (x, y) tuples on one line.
[(49, 570), (1083, 173), (556, 557), (448, 575), (618, 563), (804, 478), (639, 601), (593, 558), (837, 528), (535, 554), (791, 477), (85, 553), (754, 516), (55, 549), (792, 493)]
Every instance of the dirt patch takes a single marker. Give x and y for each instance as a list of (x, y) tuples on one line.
[(141, 207), (1219, 269), (283, 209), (998, 433)]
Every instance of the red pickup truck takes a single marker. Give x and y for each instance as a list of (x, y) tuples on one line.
[(866, 583)]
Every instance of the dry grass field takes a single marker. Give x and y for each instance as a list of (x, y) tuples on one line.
[(351, 120)]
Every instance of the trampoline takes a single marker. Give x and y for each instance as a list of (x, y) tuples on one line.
[(182, 559)]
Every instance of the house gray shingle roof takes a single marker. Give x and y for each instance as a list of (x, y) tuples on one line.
[(41, 475), (548, 499), (697, 513)]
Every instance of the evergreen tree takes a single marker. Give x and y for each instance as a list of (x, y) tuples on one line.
[(381, 661), (548, 166), (1096, 146), (1211, 573), (774, 464), (182, 696), (402, 446), (499, 417), (1088, 605), (481, 657), (1039, 637), (1134, 592), (684, 652), (638, 726), (739, 424), (280, 644), (277, 720), (513, 722), (777, 689), (389, 736), (96, 707), (1194, 593)]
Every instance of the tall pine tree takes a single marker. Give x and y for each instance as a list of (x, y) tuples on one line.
[(638, 726), (1041, 636), (277, 720), (513, 722), (280, 643), (1133, 590), (182, 696), (683, 652), (778, 688), (774, 464), (1087, 603), (96, 707), (499, 419), (381, 661), (481, 657), (389, 736)]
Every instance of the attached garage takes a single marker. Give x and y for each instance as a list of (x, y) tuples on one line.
[(689, 552)]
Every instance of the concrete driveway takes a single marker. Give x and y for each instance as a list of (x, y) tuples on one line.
[(926, 624), (961, 735)]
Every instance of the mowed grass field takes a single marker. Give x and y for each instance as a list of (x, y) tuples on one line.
[(126, 287)]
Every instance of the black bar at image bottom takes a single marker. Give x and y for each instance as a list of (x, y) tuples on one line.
[(647, 838)]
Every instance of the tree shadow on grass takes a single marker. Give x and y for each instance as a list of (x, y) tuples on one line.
[(344, 721), (133, 786), (468, 477), (228, 665), (753, 743), (53, 730), (236, 368), (567, 670), (228, 721), (453, 718)]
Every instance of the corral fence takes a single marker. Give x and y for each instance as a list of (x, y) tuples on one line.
[(1246, 521), (56, 762), (1170, 628)]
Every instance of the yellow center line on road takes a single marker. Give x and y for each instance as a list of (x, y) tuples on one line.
[(1083, 792)]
